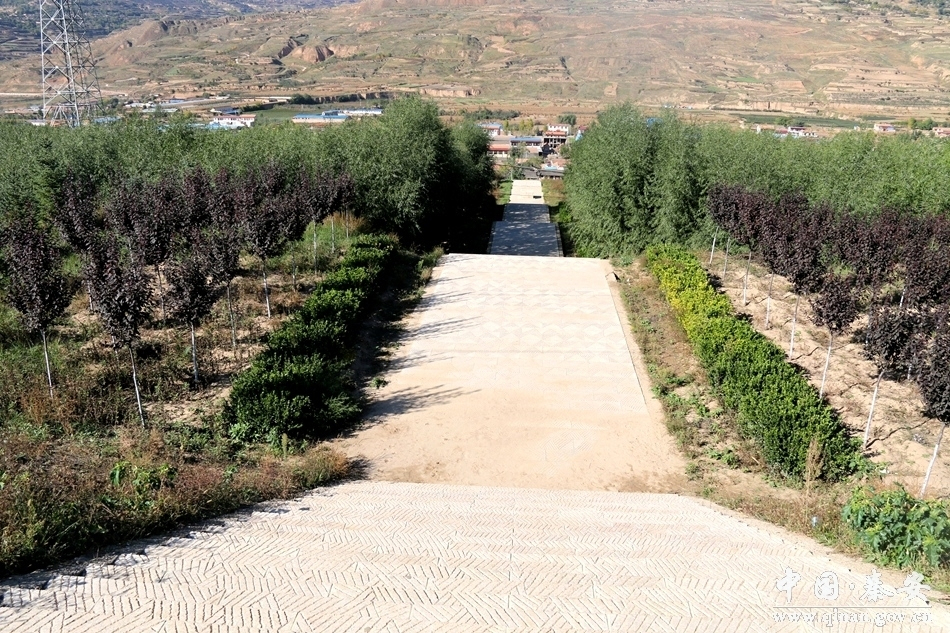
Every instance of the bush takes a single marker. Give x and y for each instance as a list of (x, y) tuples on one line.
[(302, 397), (774, 404), (895, 528), (300, 384)]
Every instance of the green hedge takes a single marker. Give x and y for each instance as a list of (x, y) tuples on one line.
[(300, 384), (774, 404)]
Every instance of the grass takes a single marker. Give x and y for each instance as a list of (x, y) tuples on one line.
[(554, 194), (62, 498), (503, 193), (556, 197), (812, 121)]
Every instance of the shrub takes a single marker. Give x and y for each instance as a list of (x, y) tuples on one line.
[(897, 529), (307, 396), (774, 404), (300, 384)]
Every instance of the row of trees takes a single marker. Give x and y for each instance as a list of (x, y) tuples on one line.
[(636, 180), (152, 218), (857, 223), (412, 175), (893, 267), (173, 244)]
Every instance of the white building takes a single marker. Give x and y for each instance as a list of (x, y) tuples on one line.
[(233, 121), (492, 129)]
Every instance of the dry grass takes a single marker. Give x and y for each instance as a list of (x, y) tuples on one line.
[(60, 499)]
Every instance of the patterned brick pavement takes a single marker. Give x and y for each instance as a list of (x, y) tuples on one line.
[(516, 372), (526, 228), (373, 556)]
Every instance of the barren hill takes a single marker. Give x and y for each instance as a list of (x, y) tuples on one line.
[(755, 54)]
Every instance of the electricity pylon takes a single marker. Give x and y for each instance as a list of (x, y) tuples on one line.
[(70, 86)]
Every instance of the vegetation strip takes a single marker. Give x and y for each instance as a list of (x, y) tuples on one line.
[(773, 402)]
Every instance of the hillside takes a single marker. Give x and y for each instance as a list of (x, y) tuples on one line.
[(805, 56), (19, 27)]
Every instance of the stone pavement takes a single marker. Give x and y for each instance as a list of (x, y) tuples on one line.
[(516, 375), (372, 556), (526, 227)]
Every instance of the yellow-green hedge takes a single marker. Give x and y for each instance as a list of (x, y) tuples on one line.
[(774, 404)]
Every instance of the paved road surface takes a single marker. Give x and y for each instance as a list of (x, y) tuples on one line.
[(526, 227), (373, 556)]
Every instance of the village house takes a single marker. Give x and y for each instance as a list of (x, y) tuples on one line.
[(226, 111), (232, 121), (492, 129), (551, 172), (359, 113), (554, 138), (321, 119), (885, 128), (499, 149), (800, 131), (559, 127), (942, 132), (528, 141)]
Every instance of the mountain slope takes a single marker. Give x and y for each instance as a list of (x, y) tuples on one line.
[(761, 54), (19, 18)]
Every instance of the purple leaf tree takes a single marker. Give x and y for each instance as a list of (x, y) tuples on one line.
[(779, 237), (927, 264), (121, 296), (74, 215), (802, 263), (223, 240), (148, 214), (934, 381), (193, 289), (834, 307), (330, 194), (262, 206), (891, 332), (37, 288)]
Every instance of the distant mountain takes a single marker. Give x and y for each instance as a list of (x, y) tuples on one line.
[(19, 19)]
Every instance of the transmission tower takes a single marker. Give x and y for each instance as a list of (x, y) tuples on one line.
[(70, 86)]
